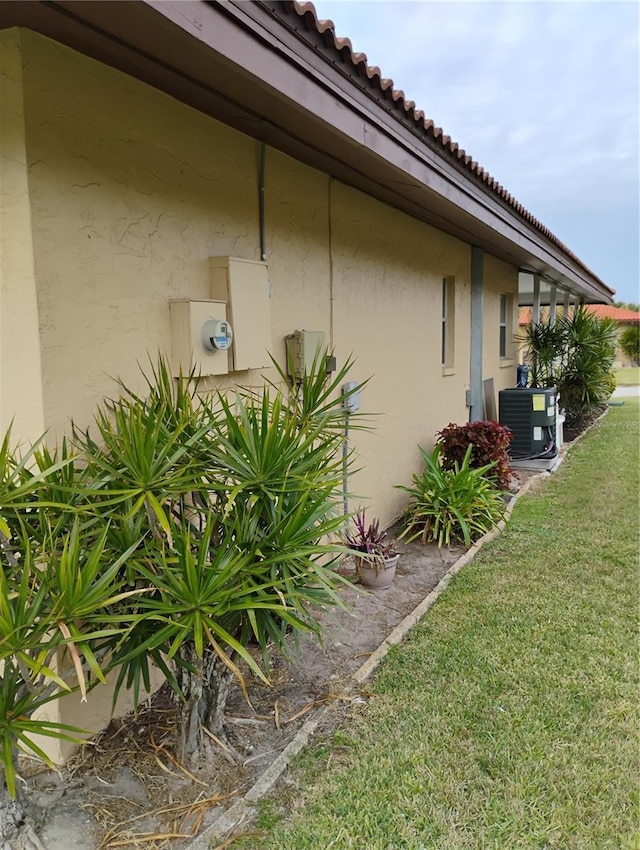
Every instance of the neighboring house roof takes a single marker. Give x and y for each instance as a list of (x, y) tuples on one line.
[(601, 311), (619, 314), (275, 72)]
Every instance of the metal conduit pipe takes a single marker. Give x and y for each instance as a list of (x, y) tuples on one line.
[(261, 196)]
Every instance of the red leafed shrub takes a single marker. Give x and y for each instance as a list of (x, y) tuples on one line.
[(490, 441)]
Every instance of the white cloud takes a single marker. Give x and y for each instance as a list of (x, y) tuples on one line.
[(544, 95)]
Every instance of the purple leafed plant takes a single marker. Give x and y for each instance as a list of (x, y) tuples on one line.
[(490, 441), (368, 539)]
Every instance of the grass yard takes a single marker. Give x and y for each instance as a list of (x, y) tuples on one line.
[(509, 719), (627, 376)]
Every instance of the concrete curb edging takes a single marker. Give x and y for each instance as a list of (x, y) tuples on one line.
[(401, 630), (241, 810), (244, 808)]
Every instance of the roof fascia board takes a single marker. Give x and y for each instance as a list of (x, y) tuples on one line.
[(360, 118), (182, 47)]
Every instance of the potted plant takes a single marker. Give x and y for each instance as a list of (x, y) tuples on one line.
[(374, 552)]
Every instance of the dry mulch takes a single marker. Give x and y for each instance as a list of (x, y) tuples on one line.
[(579, 426)]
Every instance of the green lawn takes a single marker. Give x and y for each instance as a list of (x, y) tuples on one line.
[(627, 376), (509, 719)]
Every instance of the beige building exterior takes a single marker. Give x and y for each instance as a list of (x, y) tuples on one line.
[(117, 192), (126, 194)]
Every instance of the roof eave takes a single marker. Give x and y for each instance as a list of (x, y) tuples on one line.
[(247, 65)]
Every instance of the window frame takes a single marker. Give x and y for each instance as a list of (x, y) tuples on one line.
[(447, 323), (505, 326)]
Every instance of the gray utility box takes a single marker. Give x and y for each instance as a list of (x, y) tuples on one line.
[(531, 415)]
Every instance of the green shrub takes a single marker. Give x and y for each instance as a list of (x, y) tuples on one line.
[(451, 505), (586, 380), (179, 530), (545, 346), (630, 343), (576, 356), (489, 443)]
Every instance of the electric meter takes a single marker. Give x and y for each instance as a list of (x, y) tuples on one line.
[(216, 335)]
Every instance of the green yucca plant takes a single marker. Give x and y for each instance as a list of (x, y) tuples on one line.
[(54, 601), (546, 348), (575, 354), (454, 505), (587, 381), (215, 518), (240, 481)]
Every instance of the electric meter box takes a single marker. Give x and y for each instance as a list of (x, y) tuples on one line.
[(200, 337), (244, 286), (530, 414), (303, 348)]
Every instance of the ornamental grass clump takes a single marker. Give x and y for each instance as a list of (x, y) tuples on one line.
[(449, 506), (489, 443)]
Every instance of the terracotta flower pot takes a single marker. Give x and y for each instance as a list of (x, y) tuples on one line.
[(377, 576)]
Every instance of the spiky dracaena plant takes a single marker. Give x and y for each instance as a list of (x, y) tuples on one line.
[(57, 592), (545, 345), (212, 516), (587, 381), (236, 500), (576, 355)]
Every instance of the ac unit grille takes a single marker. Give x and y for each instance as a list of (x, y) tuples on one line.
[(530, 414)]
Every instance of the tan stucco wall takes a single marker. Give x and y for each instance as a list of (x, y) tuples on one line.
[(298, 249), (387, 284), (132, 192), (89, 716), (20, 379), (130, 196), (370, 278)]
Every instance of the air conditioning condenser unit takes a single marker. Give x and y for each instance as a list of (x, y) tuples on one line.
[(530, 414)]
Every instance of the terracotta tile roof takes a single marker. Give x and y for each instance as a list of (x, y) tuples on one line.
[(620, 314), (394, 101), (602, 311)]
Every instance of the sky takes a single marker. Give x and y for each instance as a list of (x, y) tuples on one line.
[(543, 94)]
